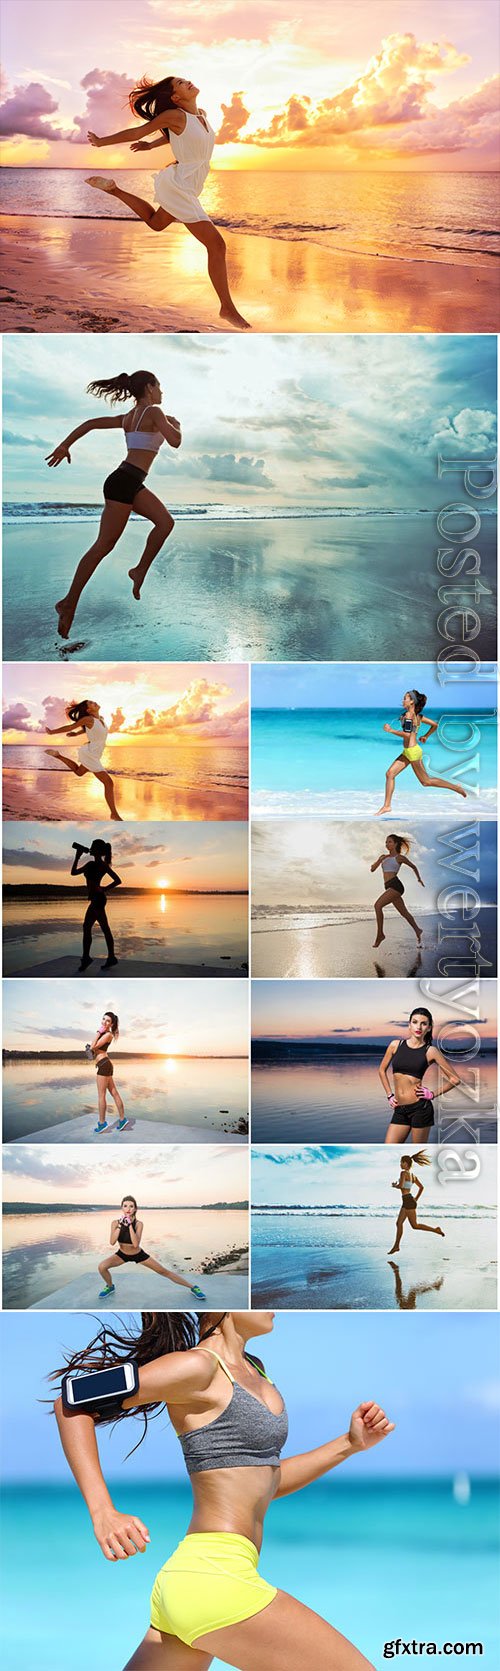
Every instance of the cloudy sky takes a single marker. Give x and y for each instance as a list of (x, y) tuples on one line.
[(352, 1012), (172, 702), (278, 420), (174, 1018), (315, 862), (371, 85), (157, 856), (175, 1176), (370, 684), (361, 1176)]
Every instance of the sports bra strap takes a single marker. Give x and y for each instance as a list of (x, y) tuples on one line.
[(220, 1361)]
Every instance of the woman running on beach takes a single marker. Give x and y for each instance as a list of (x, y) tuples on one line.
[(96, 867), (126, 1235), (411, 755), (84, 719), (145, 428), (107, 1031), (409, 1202), (397, 849), (171, 116), (209, 1599), (412, 1101)]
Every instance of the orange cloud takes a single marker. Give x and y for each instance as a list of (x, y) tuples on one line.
[(235, 116)]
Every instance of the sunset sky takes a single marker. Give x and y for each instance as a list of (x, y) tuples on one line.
[(170, 703), (317, 862), (348, 1012), (157, 856), (279, 420), (372, 85), (175, 1176), (175, 1018)]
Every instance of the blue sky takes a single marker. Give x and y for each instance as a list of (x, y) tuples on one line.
[(275, 420), (370, 684), (438, 1376), (361, 1175)]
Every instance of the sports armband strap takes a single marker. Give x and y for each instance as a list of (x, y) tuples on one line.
[(94, 1396)]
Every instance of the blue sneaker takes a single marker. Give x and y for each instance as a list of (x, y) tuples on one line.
[(122, 1123), (99, 1128), (198, 1291), (105, 1291)]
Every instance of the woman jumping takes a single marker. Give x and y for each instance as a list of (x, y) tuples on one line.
[(412, 1101), (85, 720), (413, 705), (409, 1202), (126, 1234), (209, 1599), (106, 1033), (96, 867), (145, 428), (172, 117), (397, 849)]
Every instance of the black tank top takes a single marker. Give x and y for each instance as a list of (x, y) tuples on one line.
[(124, 1232), (406, 1060)]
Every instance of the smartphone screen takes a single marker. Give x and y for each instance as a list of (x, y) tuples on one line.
[(99, 1385)]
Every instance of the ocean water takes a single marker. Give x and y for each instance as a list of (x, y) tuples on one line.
[(151, 781), (338, 1099), (207, 1095), (149, 930), (43, 1251), (315, 1544), (233, 585), (337, 1259), (450, 217), (334, 761)]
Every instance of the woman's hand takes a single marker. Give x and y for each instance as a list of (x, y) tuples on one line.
[(119, 1535), (93, 139), (59, 453), (369, 1424), (140, 145)]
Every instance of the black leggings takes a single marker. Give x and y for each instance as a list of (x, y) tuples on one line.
[(96, 913)]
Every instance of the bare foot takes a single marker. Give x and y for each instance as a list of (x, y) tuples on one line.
[(54, 752), (99, 183), (379, 939), (394, 1249), (232, 317), (381, 810), (439, 1232), (134, 576), (65, 612), (419, 933)]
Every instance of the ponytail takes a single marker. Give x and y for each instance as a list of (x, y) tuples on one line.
[(122, 387), (401, 843), (420, 701), (420, 1159)]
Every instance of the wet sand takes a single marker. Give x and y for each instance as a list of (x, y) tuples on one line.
[(342, 950), (54, 793), (93, 275)]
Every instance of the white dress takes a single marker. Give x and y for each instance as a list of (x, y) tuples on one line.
[(177, 188), (90, 752)]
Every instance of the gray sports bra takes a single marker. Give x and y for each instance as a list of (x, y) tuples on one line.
[(245, 1435)]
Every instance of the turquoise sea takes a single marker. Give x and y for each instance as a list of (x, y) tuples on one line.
[(380, 1562)]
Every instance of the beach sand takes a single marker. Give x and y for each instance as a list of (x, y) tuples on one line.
[(82, 1130), (130, 969), (344, 950), (94, 275), (138, 1288), (50, 794), (344, 1265)]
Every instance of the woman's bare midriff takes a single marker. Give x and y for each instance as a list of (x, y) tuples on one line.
[(406, 1089), (233, 1500), (142, 459)]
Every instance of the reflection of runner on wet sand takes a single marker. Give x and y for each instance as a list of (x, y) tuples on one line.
[(408, 1301), (96, 867), (85, 719)]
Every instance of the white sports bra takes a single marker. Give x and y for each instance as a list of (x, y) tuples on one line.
[(391, 865), (146, 441)]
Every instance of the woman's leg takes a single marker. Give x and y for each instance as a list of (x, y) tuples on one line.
[(113, 521), (110, 1260), (398, 766), (400, 1221), (215, 246), (384, 899), (435, 782), (420, 1135), (432, 1229), (156, 219), (396, 1133), (110, 1086), (400, 906), (109, 793), (88, 924), (72, 765), (146, 504), (100, 911), (154, 1265), (158, 1652), (285, 1634), (101, 1098)]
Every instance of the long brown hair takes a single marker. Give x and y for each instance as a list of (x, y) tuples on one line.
[(151, 98), (161, 1332), (126, 385)]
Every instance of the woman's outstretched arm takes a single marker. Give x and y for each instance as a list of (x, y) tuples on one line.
[(394, 731), (413, 867), (166, 119), (119, 1535), (62, 451), (70, 730), (369, 1424), (76, 869), (116, 881)]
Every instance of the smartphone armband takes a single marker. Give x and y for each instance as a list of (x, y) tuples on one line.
[(101, 1390)]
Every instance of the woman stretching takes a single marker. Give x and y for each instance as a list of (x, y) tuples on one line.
[(96, 867), (411, 755), (397, 849), (126, 1233), (209, 1599), (107, 1031), (145, 428), (86, 720), (171, 117), (412, 1101), (409, 1202)]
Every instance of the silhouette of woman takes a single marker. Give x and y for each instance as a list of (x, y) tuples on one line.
[(96, 867)]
